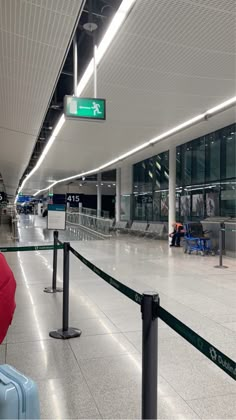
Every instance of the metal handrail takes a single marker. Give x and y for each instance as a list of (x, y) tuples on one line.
[(96, 224), (89, 212)]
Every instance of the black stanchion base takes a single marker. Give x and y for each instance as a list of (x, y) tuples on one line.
[(65, 335), (221, 266), (50, 290)]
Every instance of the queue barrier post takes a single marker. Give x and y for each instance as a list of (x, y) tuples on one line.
[(65, 332), (149, 305), (14, 229), (221, 232), (54, 288)]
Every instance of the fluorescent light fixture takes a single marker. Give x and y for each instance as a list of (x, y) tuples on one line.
[(222, 106), (133, 151), (110, 34), (44, 153), (114, 27), (178, 128)]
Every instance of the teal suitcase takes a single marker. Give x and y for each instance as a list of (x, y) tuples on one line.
[(18, 395)]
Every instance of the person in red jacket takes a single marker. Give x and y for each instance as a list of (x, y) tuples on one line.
[(7, 297), (177, 233)]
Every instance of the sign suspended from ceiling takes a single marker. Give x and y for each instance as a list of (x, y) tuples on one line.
[(85, 108)]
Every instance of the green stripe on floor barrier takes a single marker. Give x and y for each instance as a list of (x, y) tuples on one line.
[(30, 248), (215, 355), (130, 293)]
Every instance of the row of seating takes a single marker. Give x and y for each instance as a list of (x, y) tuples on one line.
[(156, 230)]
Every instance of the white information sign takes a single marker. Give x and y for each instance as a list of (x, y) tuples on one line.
[(56, 216)]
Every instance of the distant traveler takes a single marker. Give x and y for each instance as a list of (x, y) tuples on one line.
[(177, 233), (7, 297)]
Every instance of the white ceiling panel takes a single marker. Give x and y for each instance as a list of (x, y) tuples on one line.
[(171, 60), (34, 35)]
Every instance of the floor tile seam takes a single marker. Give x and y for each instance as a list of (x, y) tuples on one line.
[(27, 341), (204, 316), (110, 357), (193, 410), (121, 330), (213, 396), (134, 345), (185, 305), (187, 401), (38, 357), (125, 387), (180, 396), (216, 322), (49, 340), (204, 360), (183, 340), (100, 334), (102, 357), (168, 382), (108, 317), (64, 354), (200, 296), (132, 331), (86, 381)]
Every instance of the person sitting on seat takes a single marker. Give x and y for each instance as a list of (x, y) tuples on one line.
[(177, 234), (7, 297)]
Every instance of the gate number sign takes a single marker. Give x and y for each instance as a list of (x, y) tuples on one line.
[(73, 198)]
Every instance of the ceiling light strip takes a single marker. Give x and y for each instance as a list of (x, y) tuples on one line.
[(110, 34), (187, 124)]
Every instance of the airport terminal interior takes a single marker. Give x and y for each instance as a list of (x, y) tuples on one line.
[(118, 209)]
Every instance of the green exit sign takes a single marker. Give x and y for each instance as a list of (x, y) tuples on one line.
[(85, 108)]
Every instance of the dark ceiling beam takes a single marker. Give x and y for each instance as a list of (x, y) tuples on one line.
[(95, 14), (67, 73)]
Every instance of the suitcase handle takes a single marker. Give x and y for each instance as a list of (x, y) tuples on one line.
[(14, 380), (4, 379)]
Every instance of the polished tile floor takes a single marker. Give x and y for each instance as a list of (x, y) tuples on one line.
[(99, 374)]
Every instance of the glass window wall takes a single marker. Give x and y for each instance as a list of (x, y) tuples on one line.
[(205, 180)]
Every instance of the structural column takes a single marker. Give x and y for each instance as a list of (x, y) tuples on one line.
[(118, 193), (99, 195), (172, 187)]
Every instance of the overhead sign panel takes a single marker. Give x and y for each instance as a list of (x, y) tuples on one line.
[(85, 108), (3, 197), (24, 198), (73, 199)]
